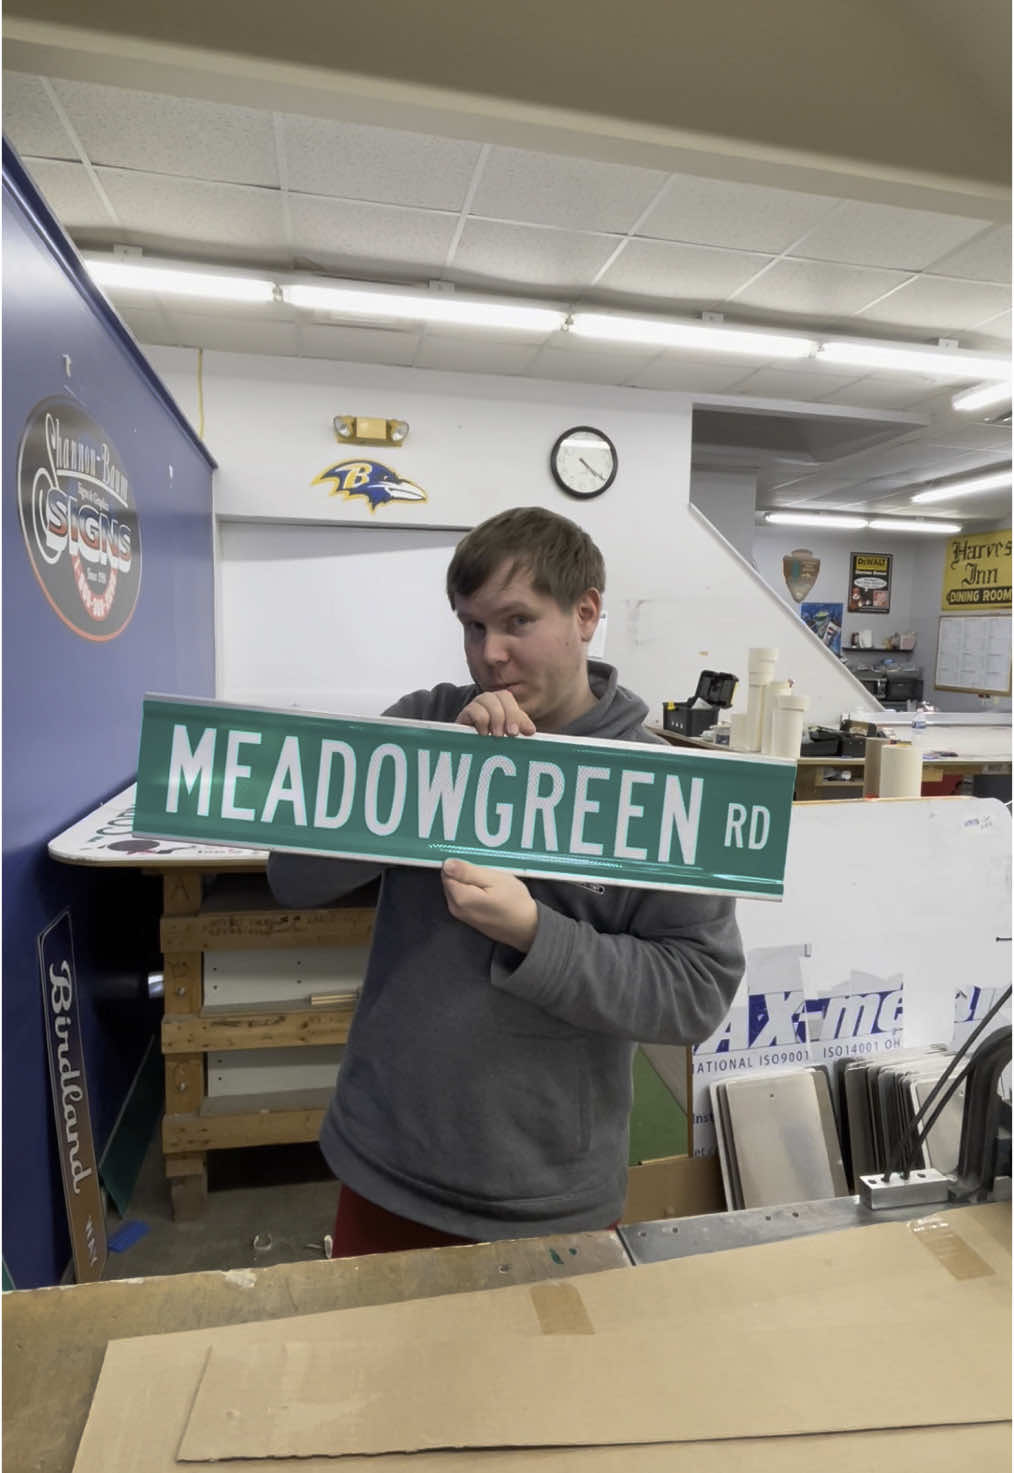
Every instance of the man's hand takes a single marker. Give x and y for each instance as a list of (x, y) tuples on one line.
[(492, 901), (496, 713)]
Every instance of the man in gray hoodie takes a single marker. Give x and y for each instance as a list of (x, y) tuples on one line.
[(485, 1090)]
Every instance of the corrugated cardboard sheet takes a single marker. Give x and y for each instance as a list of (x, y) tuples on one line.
[(723, 1356)]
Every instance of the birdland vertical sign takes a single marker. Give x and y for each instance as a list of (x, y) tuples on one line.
[(419, 792), (81, 1189)]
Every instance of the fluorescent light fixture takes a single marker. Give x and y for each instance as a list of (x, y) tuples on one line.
[(973, 486), (930, 361), (172, 281), (814, 519), (656, 332), (983, 397), (423, 307), (893, 524)]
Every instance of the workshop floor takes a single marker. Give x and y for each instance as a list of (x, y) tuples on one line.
[(293, 1203), (288, 1212)]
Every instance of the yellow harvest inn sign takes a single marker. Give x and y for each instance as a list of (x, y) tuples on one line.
[(977, 572)]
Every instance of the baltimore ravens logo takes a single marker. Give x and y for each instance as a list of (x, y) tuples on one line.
[(374, 482)]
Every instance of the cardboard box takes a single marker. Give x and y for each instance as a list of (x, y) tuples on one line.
[(897, 1328), (673, 1186)]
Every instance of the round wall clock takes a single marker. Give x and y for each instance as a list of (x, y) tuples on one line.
[(583, 462)]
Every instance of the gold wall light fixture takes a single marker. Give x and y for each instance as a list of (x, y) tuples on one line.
[(358, 429)]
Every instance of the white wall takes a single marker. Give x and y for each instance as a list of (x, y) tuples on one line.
[(728, 500), (679, 597), (915, 594), (835, 549), (337, 646)]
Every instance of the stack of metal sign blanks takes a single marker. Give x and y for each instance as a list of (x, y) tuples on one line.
[(881, 1098), (777, 1139)]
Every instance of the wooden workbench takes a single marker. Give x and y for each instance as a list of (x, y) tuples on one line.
[(821, 778), (54, 1340)]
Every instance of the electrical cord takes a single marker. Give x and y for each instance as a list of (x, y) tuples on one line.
[(999, 1040), (904, 1148)]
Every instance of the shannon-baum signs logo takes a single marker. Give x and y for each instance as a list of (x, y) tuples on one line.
[(79, 519)]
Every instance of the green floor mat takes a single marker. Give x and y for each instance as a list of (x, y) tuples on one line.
[(658, 1126)]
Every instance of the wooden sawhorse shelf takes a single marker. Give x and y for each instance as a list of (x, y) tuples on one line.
[(193, 1124)]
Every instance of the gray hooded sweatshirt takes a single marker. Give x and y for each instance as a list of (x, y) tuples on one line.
[(487, 1093)]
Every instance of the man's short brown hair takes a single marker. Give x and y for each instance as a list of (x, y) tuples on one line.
[(560, 558)]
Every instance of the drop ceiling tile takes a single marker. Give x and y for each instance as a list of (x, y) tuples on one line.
[(692, 275), (170, 215), (30, 120), (146, 325), (491, 255), (179, 136), (370, 240), (575, 194), (229, 334), (130, 301), (358, 344), (937, 304), (585, 367), (384, 165), (747, 217), (986, 258), (817, 288), (861, 234), (460, 355), (810, 383), (900, 392), (69, 193), (505, 335), (938, 400), (672, 371), (994, 333)]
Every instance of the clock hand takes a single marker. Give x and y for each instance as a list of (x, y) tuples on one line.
[(600, 474)]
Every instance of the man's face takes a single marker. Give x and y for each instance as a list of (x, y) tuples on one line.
[(522, 641)]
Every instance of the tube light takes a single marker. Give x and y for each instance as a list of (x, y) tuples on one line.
[(422, 307), (982, 397), (814, 519), (994, 481), (656, 332), (892, 524), (933, 363), (169, 281)]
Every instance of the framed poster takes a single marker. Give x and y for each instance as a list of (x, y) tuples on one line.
[(977, 573), (824, 620), (870, 583)]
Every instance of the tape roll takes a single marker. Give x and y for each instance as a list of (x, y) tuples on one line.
[(871, 770), (900, 771), (739, 732)]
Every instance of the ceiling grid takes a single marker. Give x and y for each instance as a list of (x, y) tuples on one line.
[(215, 182)]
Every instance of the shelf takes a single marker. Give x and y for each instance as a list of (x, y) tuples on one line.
[(875, 649)]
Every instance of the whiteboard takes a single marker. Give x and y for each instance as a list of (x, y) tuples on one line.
[(973, 653), (905, 899), (337, 619)]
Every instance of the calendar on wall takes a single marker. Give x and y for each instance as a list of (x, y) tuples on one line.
[(973, 654)]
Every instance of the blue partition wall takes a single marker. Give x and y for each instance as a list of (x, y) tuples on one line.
[(107, 593)]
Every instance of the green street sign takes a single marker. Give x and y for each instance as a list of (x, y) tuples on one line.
[(418, 792)]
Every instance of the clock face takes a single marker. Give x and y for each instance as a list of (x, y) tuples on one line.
[(583, 461)]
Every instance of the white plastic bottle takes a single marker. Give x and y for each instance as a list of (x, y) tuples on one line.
[(772, 691), (760, 674), (787, 725)]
